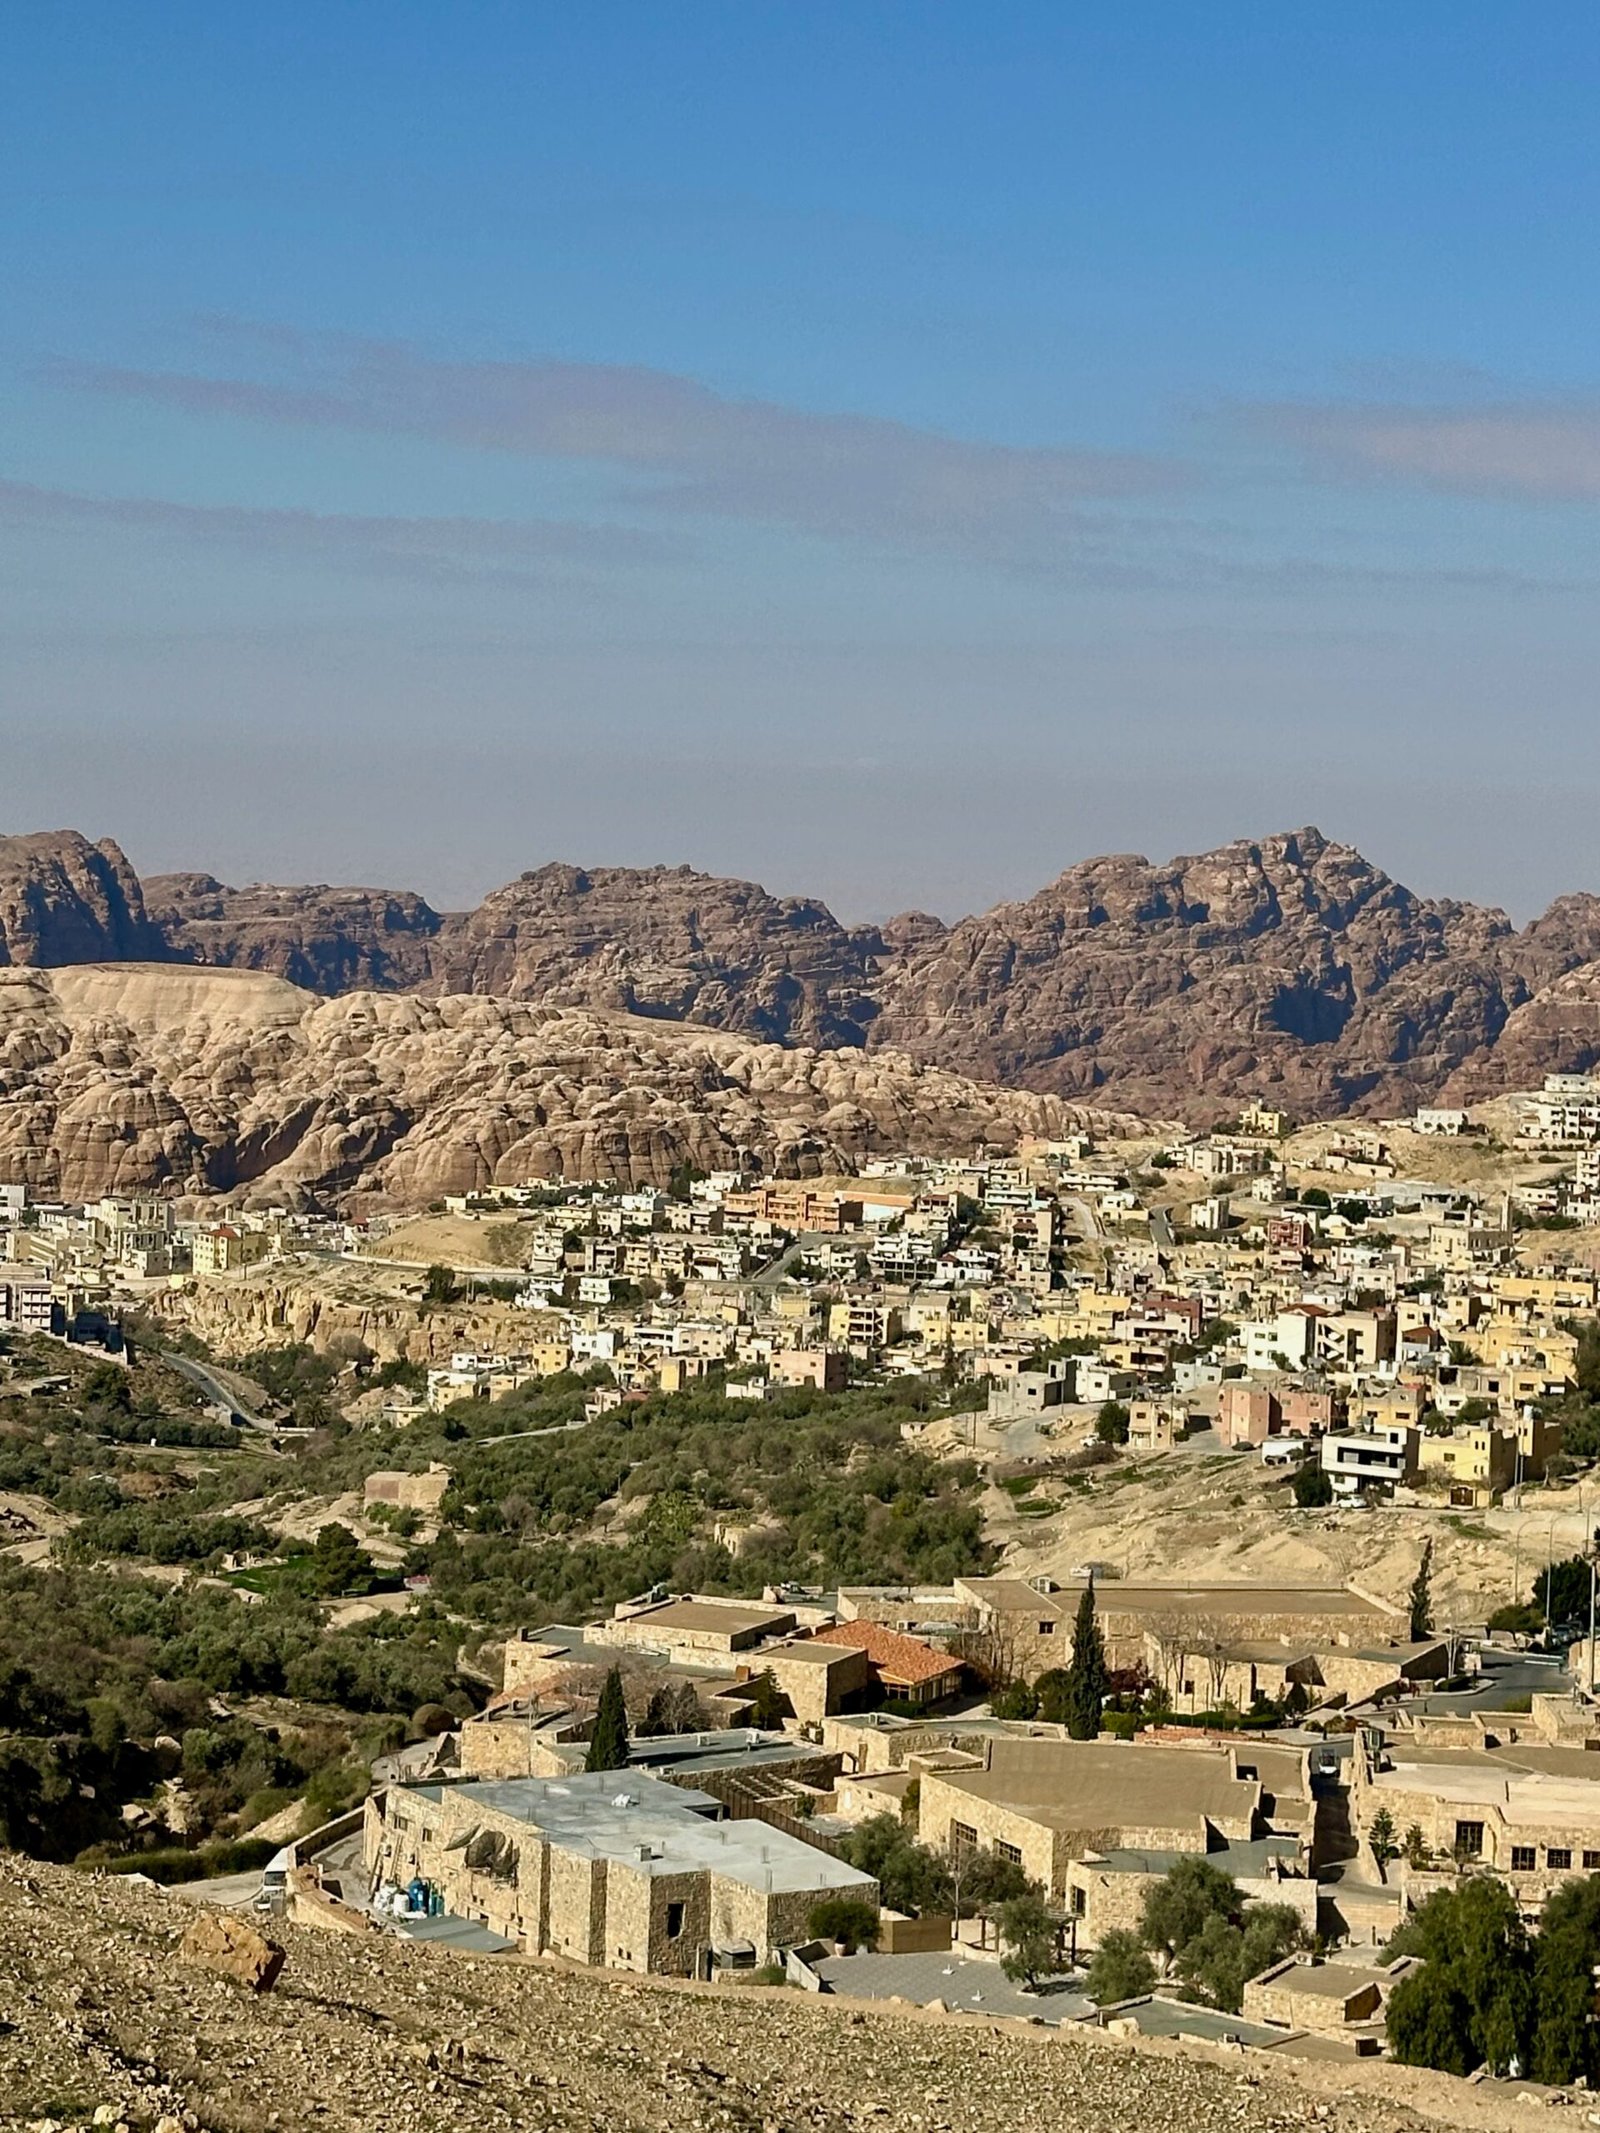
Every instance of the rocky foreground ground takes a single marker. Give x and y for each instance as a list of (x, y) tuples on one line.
[(98, 2015)]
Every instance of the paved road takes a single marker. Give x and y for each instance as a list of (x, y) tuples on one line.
[(1517, 1674), (1161, 1230), (770, 1276), (212, 1386)]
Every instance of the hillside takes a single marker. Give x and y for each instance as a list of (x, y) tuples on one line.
[(1287, 967), (124, 1077), (372, 2035)]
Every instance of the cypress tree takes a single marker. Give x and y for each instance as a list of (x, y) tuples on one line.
[(1088, 1677), (1421, 1596), (608, 1743)]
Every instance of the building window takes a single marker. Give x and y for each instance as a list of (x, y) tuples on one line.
[(1591, 1862), (1469, 1840), (1080, 1902), (1047, 1629), (1523, 1858), (1013, 1852), (674, 1920), (1558, 1857), (963, 1838)]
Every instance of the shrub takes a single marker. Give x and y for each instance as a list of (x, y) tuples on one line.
[(849, 1920)]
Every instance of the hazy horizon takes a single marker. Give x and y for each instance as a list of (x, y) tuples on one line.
[(885, 454)]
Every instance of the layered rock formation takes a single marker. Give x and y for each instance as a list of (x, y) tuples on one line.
[(65, 900), (1287, 968), (1555, 1032), (327, 940), (120, 1078), (667, 942)]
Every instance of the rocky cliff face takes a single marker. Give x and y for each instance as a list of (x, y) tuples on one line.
[(327, 940), (1288, 968), (1557, 1031), (669, 943), (65, 900), (125, 1078)]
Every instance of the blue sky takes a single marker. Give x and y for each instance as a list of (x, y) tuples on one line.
[(889, 451)]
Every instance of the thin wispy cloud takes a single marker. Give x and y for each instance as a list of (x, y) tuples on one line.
[(444, 548), (1535, 452), (684, 448)]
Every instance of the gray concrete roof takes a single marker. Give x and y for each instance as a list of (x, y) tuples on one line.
[(735, 1748), (1244, 1861), (1158, 2017), (575, 1646), (448, 1931), (616, 1815), (972, 1986)]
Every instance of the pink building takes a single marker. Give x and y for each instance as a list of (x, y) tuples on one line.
[(1246, 1413)]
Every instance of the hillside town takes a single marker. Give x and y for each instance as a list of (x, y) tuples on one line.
[(1402, 1332), (982, 1791)]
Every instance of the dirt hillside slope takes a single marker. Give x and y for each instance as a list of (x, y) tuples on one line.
[(96, 2010)]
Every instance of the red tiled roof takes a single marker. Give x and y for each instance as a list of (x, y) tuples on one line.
[(895, 1657)]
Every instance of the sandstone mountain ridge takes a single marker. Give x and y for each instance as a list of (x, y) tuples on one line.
[(1288, 967), (172, 1078)]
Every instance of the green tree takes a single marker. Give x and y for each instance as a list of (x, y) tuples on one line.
[(769, 1707), (1566, 2039), (990, 1880), (849, 1920), (340, 1563), (1471, 2004), (910, 1876), (1112, 1423), (439, 1285), (1018, 1699), (1421, 1596), (1562, 1589), (1177, 1906), (1223, 1956), (1088, 1676), (1028, 1937), (1120, 1968), (1381, 1837), (608, 1742), (109, 1386), (1311, 1487)]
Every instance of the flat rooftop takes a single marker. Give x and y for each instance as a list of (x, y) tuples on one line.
[(574, 1645), (1245, 1861), (1117, 1596), (612, 1815), (1331, 1981), (1472, 1778), (709, 1615), (736, 1748), (967, 1986), (1158, 2017), (810, 1653), (1073, 1785)]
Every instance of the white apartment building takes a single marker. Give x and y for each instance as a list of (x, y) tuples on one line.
[(1381, 1458)]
